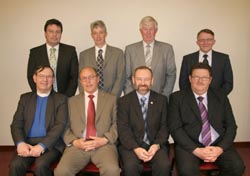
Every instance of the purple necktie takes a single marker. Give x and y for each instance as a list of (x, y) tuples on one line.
[(205, 132)]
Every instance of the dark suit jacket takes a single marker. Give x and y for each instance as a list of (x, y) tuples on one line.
[(130, 122), (67, 67), (56, 119), (221, 71), (113, 68), (185, 122)]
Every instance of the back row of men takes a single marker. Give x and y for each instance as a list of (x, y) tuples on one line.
[(115, 68)]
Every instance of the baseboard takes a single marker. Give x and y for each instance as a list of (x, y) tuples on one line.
[(11, 148)]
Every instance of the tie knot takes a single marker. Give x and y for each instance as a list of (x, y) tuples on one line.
[(148, 46), (52, 50), (143, 100), (205, 56), (100, 51), (200, 99), (91, 96)]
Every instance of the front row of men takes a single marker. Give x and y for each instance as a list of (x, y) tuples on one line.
[(199, 119)]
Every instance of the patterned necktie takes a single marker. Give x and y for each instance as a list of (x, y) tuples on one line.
[(90, 130), (205, 132), (205, 61), (148, 57), (99, 64), (52, 61), (144, 110)]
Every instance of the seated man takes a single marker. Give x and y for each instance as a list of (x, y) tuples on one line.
[(203, 127), (91, 133), (38, 125), (142, 127)]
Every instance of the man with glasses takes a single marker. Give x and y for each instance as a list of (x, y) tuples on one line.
[(37, 126), (60, 57), (92, 132), (202, 124), (219, 62), (142, 127)]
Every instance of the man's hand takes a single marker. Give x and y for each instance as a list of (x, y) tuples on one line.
[(36, 150), (208, 154), (88, 145), (215, 153), (23, 149), (142, 154)]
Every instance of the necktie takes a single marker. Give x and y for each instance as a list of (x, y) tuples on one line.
[(144, 110), (90, 130), (148, 57), (99, 64), (205, 132), (205, 61), (52, 61)]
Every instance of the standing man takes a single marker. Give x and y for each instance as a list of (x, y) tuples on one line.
[(108, 61), (219, 62), (156, 55), (60, 57), (92, 132), (203, 127), (142, 127), (37, 126)]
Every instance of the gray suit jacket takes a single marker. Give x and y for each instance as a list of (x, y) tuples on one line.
[(163, 66), (113, 68), (105, 120), (185, 123), (56, 119)]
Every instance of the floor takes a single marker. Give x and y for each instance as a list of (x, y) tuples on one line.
[(7, 152)]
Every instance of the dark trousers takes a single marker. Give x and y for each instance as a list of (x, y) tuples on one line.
[(230, 163), (133, 166), (19, 165)]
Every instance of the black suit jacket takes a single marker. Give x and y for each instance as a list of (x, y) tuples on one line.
[(56, 120), (221, 71), (67, 67), (185, 122), (130, 122)]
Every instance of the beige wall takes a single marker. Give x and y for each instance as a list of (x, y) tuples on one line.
[(179, 20)]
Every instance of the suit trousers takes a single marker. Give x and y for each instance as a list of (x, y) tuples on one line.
[(74, 159), (19, 165), (133, 166), (229, 162)]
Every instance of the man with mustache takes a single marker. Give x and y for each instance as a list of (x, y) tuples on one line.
[(142, 127)]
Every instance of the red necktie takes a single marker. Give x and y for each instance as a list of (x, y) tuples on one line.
[(91, 131)]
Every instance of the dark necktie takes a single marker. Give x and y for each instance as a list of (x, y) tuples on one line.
[(99, 64), (205, 61), (144, 110), (205, 132), (90, 130)]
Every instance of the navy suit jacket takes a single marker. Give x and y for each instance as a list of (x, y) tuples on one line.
[(222, 74), (67, 67), (130, 120), (185, 123)]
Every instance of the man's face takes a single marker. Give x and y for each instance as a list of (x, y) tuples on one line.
[(200, 81), (53, 34), (99, 36), (142, 81), (148, 32), (205, 41), (44, 80), (89, 80)]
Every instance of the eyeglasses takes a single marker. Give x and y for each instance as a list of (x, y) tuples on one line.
[(202, 78), (44, 76), (84, 79), (205, 40)]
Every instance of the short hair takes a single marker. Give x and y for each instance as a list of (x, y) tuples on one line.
[(40, 68), (98, 23), (143, 68), (148, 19), (53, 21), (208, 31), (201, 65), (89, 67)]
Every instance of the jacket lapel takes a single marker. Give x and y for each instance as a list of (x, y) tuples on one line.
[(107, 56), (100, 104), (156, 55), (192, 103)]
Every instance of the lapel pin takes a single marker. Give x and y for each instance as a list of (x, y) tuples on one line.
[(151, 102)]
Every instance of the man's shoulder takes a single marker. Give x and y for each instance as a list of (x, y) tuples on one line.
[(114, 49), (87, 51), (134, 45), (219, 54), (163, 44), (190, 55), (66, 46), (37, 48)]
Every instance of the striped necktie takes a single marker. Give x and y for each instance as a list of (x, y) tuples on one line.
[(53, 65)]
